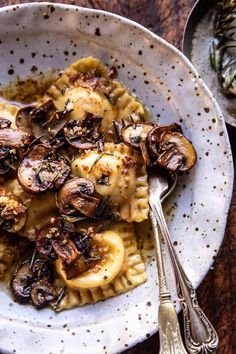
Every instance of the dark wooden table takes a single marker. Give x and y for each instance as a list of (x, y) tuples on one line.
[(217, 293)]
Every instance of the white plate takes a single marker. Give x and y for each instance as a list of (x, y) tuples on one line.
[(165, 80)]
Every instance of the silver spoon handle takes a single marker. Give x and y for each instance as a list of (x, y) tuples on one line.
[(169, 331), (200, 335)]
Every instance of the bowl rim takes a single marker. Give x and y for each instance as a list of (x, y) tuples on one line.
[(186, 61)]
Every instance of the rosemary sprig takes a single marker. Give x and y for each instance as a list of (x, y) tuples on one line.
[(36, 139), (60, 174), (59, 298), (223, 45), (33, 258), (73, 218), (116, 131), (96, 258), (98, 158), (39, 176)]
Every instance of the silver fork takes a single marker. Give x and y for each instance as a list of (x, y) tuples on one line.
[(200, 336), (169, 330)]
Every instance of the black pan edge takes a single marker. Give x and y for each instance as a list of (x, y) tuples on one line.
[(198, 11)]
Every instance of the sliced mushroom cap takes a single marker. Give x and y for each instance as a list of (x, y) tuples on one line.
[(9, 160), (44, 246), (13, 138), (66, 250), (134, 133), (12, 211), (26, 274), (21, 282), (87, 258), (23, 119), (52, 241), (42, 168), (107, 256), (82, 242), (44, 111), (153, 137), (4, 123), (78, 267), (41, 270), (176, 152), (46, 121), (84, 134), (77, 195), (42, 292), (57, 122)]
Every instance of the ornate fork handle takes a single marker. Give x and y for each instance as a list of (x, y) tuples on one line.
[(200, 335), (169, 331)]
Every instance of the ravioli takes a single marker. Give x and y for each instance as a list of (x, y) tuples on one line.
[(87, 86), (40, 208), (117, 172), (132, 274)]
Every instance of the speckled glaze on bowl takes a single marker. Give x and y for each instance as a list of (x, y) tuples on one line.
[(52, 36)]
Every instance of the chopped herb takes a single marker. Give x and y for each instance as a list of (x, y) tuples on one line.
[(98, 158), (59, 298), (63, 91), (49, 167), (103, 180), (117, 132), (131, 118), (73, 218), (66, 108), (60, 174), (84, 238), (103, 205), (36, 139), (90, 259), (32, 258), (39, 177)]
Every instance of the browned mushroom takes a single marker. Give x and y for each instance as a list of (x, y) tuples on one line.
[(77, 198), (43, 240), (153, 137), (84, 134), (176, 153), (13, 138), (41, 269), (8, 160), (12, 211), (84, 245), (21, 282), (90, 254), (78, 267), (52, 241), (42, 168), (134, 133), (23, 119), (65, 249), (4, 123), (42, 292), (46, 121), (12, 145), (26, 274)]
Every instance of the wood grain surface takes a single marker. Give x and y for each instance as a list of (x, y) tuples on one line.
[(217, 293)]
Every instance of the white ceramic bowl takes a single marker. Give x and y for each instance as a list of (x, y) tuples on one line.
[(52, 36)]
